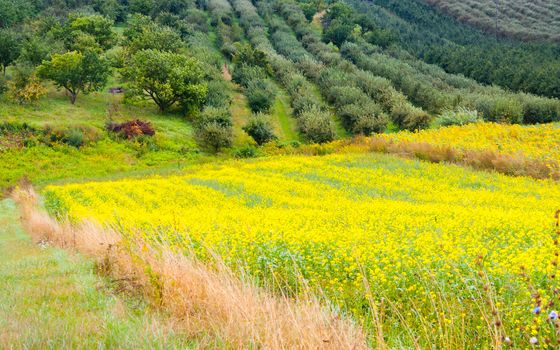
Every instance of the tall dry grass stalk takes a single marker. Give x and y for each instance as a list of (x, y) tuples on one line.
[(514, 165), (215, 307)]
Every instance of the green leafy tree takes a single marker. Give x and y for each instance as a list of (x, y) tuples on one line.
[(35, 50), (166, 78), (260, 129), (109, 8), (9, 48), (145, 34), (14, 11), (98, 27), (214, 129), (246, 55), (144, 7), (260, 95), (76, 72)]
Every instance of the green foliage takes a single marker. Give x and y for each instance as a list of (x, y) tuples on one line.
[(143, 34), (459, 116), (435, 38), (243, 74), (317, 125), (260, 129), (248, 55), (506, 110), (364, 119), (111, 9), (76, 136), (219, 94), (525, 21), (98, 27), (539, 110), (3, 84), (409, 117), (338, 32), (260, 95), (214, 129), (9, 48), (246, 152), (76, 72), (144, 7), (166, 78), (35, 50), (15, 11)]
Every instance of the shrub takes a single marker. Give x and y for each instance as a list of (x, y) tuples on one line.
[(132, 128), (218, 94), (540, 110), (345, 95), (317, 125), (303, 101), (363, 118), (244, 74), (73, 136), (260, 129), (459, 116), (31, 91), (3, 85), (214, 129), (260, 95), (408, 117), (246, 152), (506, 110)]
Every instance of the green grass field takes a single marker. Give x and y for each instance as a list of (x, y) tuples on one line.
[(52, 300)]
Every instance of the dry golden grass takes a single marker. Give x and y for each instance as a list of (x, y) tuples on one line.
[(217, 308), (488, 160), (515, 165)]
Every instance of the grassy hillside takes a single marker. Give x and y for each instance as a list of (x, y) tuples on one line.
[(539, 20), (321, 240)]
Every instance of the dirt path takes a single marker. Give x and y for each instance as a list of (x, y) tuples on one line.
[(226, 73), (52, 300)]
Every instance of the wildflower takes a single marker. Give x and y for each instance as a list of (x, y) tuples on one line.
[(533, 340), (507, 340), (553, 315), (537, 310)]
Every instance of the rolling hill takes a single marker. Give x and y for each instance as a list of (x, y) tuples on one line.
[(525, 20)]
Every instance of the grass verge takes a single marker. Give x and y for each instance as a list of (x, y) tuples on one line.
[(50, 299)]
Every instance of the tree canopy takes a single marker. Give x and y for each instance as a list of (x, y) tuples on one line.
[(76, 72), (167, 78)]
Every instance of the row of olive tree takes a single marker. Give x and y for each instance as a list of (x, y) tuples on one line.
[(314, 121), (360, 97), (438, 91)]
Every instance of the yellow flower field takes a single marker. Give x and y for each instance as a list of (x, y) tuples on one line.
[(540, 142), (422, 235)]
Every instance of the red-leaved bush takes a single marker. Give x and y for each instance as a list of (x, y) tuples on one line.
[(132, 128)]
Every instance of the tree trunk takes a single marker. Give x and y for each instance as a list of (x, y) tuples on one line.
[(73, 97)]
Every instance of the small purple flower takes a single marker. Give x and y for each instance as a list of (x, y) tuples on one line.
[(533, 340), (537, 310), (553, 315)]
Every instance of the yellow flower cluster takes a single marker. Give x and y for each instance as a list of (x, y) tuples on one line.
[(405, 226), (540, 142)]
